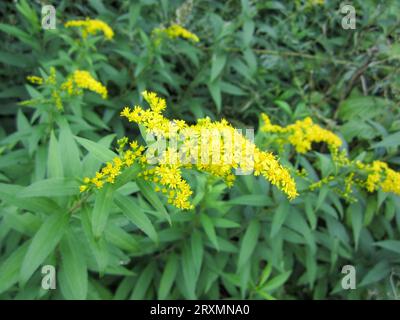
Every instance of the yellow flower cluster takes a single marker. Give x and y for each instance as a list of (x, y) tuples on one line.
[(303, 133), (74, 84), (35, 79), (176, 31), (380, 176), (113, 169), (91, 26), (81, 79), (214, 147), (55, 95), (51, 80)]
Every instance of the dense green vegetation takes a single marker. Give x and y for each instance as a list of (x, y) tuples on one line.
[(289, 60)]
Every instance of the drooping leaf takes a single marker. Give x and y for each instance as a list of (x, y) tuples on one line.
[(135, 214)]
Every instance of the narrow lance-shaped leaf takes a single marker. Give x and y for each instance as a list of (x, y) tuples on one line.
[(43, 243), (209, 228), (101, 210), (73, 275), (279, 218), (99, 151), (134, 213), (54, 161), (53, 187), (249, 242), (9, 269), (70, 151), (168, 276), (153, 198)]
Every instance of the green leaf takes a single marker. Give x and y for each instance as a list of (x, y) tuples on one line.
[(391, 245), (277, 281), (9, 192), (122, 239), (380, 271), (310, 213), (43, 243), (265, 274), (392, 140), (218, 62), (168, 276), (53, 187), (127, 175), (73, 275), (152, 197), (21, 35), (253, 200), (188, 271), (209, 228), (136, 214), (215, 90), (99, 248), (143, 282), (99, 151), (370, 210), (225, 223), (14, 59), (284, 106), (323, 193), (197, 251), (249, 242), (231, 89), (365, 107), (248, 30), (71, 161), (356, 221), (54, 161)]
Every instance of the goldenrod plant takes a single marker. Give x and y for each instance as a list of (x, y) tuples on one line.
[(199, 150)]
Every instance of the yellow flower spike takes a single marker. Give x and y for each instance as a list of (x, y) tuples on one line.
[(175, 31), (303, 133), (52, 78), (35, 79), (81, 79), (219, 157), (381, 176), (57, 100), (91, 26)]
